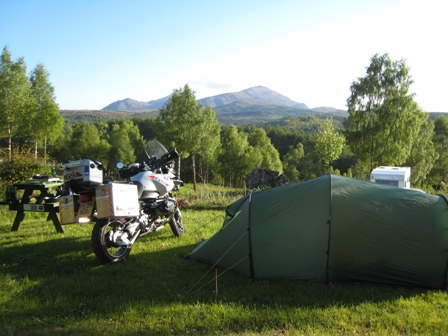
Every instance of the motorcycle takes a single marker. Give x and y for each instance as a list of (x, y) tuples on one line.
[(125, 210)]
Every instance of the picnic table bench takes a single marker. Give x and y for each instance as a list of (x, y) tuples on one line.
[(44, 201)]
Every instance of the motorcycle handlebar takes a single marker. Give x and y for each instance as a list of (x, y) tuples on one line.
[(165, 159), (154, 163), (173, 154)]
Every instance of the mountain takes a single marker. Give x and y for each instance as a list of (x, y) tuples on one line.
[(158, 103), (258, 94), (246, 111), (253, 105), (129, 104), (324, 109), (247, 106)]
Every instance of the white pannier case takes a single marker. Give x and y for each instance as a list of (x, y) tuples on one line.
[(117, 200)]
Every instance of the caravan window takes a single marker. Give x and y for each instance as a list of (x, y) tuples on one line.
[(387, 182)]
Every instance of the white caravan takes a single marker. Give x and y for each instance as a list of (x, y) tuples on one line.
[(393, 176)]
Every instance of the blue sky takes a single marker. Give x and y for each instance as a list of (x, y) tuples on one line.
[(99, 51)]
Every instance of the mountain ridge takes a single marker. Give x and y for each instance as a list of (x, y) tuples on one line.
[(257, 94)]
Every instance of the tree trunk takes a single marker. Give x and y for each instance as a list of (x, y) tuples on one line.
[(9, 144), (45, 148), (194, 170)]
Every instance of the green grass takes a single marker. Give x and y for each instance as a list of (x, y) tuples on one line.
[(52, 284)]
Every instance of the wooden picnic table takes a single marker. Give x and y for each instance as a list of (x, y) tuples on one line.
[(44, 201)]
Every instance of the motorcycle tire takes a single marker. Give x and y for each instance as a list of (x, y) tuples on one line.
[(176, 224), (103, 248)]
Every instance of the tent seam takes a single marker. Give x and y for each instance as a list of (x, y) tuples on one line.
[(251, 260), (329, 222), (445, 281)]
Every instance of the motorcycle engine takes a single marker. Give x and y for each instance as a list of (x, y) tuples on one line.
[(161, 207), (168, 206)]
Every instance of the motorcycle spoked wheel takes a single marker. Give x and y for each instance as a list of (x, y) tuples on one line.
[(103, 248), (176, 224)]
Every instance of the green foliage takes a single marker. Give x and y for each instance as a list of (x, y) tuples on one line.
[(291, 131), (423, 154), (208, 196), (306, 123), (147, 127), (310, 166), (234, 158), (61, 149), (329, 142), (46, 122), (107, 143), (126, 143), (23, 166), (73, 117), (29, 112), (270, 158), (179, 120), (291, 161), (345, 162), (385, 126), (14, 98), (83, 141), (438, 176), (189, 126), (254, 114), (384, 121)]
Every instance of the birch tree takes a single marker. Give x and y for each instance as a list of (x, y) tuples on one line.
[(47, 123), (191, 127), (329, 142), (384, 120), (14, 95)]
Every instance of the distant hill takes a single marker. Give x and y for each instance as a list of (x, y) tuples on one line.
[(129, 104), (324, 109), (73, 117), (247, 111), (253, 105), (259, 94)]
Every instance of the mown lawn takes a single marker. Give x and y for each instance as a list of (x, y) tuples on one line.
[(51, 284)]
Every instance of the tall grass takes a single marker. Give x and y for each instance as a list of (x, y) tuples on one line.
[(208, 196), (52, 284)]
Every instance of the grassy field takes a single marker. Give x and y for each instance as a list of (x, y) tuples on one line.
[(52, 284)]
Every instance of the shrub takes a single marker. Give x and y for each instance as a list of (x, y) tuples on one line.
[(22, 167)]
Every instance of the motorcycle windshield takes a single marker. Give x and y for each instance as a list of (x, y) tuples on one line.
[(155, 149)]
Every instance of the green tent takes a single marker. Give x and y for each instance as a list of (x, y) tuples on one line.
[(332, 229)]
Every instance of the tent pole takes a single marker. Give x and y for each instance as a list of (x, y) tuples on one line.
[(327, 274), (251, 260), (445, 281)]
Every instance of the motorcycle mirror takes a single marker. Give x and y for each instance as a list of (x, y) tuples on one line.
[(120, 165)]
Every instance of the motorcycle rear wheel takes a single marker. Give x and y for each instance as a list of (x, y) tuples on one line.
[(103, 248), (176, 224)]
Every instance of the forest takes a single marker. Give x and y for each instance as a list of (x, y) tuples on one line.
[(384, 126)]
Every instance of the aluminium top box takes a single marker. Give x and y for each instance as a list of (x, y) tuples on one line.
[(83, 171)]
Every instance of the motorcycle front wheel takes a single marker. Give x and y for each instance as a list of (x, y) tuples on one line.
[(176, 224), (105, 249)]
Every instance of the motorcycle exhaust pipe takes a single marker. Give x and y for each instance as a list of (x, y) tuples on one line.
[(134, 238)]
